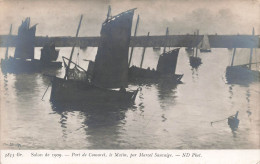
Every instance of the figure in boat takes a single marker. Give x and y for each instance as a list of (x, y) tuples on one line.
[(244, 74), (108, 79), (23, 60)]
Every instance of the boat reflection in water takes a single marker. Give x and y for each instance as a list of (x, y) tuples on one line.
[(101, 123), (110, 69)]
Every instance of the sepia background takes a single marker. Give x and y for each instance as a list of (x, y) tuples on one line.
[(164, 116)]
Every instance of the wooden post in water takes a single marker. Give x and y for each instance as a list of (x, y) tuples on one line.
[(71, 54), (167, 33), (141, 65), (251, 51), (233, 56), (132, 48), (7, 47), (197, 44)]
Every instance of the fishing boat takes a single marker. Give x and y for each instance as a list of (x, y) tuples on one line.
[(243, 74), (195, 61), (166, 67), (109, 77), (204, 44), (23, 60)]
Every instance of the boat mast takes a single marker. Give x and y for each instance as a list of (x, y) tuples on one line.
[(7, 46), (197, 44), (71, 54), (141, 65), (167, 33), (233, 56), (193, 43), (251, 51), (108, 13), (132, 48)]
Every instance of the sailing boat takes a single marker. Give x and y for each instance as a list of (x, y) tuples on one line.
[(204, 44), (166, 67), (23, 60), (242, 74), (192, 42), (195, 61), (110, 69)]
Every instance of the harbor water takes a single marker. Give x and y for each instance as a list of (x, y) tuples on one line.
[(164, 116)]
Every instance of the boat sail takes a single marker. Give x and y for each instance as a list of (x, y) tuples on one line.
[(204, 44), (110, 68), (111, 63), (25, 41)]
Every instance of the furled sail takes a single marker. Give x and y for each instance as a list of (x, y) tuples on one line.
[(204, 44), (25, 41), (111, 63)]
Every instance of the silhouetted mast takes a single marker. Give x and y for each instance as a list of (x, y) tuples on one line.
[(251, 51), (193, 43), (141, 65), (71, 54), (109, 13), (233, 56), (132, 49), (196, 43), (7, 47), (167, 33)]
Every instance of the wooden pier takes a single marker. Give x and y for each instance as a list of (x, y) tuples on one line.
[(216, 41)]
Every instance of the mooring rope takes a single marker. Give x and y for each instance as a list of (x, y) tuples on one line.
[(45, 91)]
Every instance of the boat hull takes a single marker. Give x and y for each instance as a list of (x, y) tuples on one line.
[(12, 65), (241, 75), (140, 74), (72, 91)]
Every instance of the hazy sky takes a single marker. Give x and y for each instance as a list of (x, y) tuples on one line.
[(61, 17)]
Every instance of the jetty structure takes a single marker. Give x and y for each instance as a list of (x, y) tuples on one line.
[(166, 67), (109, 77), (23, 60), (243, 74)]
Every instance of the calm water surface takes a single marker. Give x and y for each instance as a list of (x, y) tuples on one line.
[(164, 116)]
